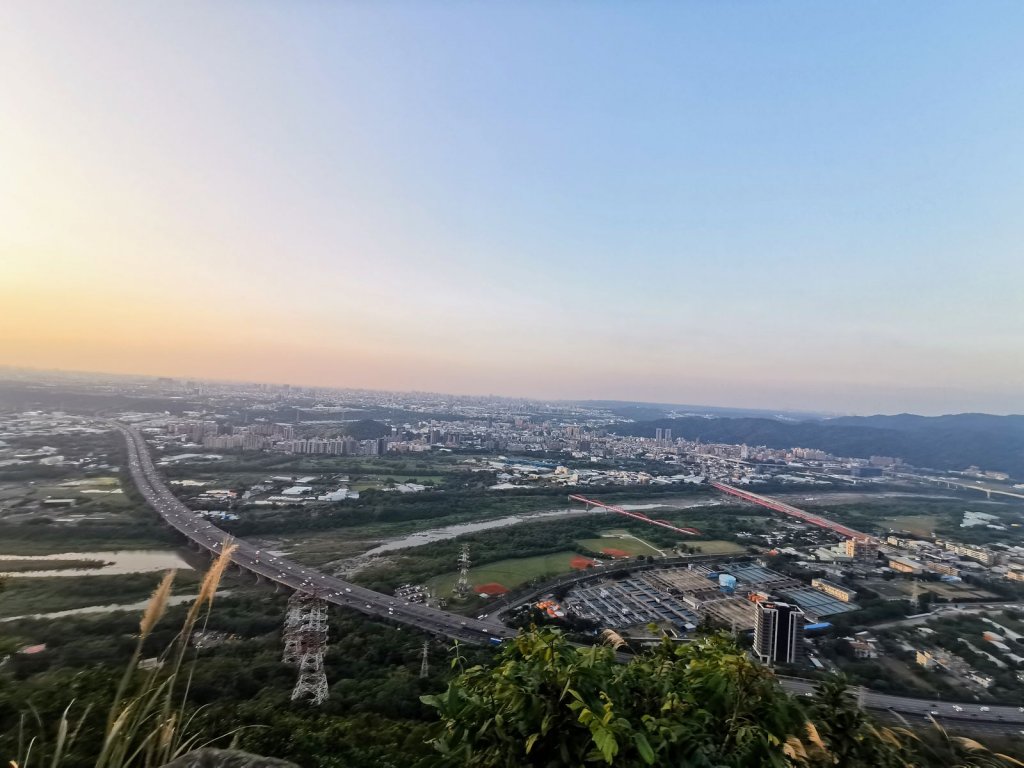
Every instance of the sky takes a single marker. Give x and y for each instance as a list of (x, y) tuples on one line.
[(780, 204)]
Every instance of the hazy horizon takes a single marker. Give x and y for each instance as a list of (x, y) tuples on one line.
[(786, 206), (29, 373)]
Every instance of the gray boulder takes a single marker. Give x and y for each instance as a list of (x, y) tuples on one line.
[(226, 758)]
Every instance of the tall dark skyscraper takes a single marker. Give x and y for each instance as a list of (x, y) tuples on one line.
[(778, 633)]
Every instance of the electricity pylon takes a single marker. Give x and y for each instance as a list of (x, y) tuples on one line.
[(425, 662), (462, 587), (305, 640)]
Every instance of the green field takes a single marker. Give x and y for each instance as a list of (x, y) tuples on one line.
[(364, 485), (717, 547), (404, 478), (510, 573), (44, 594), (919, 525), (630, 545), (96, 491)]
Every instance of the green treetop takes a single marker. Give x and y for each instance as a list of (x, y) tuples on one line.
[(548, 703)]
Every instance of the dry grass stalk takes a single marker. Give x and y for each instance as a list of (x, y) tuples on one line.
[(157, 605), (147, 729)]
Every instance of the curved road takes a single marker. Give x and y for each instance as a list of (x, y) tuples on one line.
[(291, 574)]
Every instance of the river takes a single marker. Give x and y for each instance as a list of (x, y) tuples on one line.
[(139, 606), (451, 531), (116, 563)]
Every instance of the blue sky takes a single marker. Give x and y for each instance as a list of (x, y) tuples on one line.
[(774, 204)]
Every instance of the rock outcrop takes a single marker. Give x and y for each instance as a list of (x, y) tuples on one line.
[(226, 758)]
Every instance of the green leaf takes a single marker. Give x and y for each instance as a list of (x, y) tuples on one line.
[(531, 741), (643, 746), (605, 741)]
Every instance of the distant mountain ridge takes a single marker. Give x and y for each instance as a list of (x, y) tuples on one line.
[(943, 442), (910, 421), (638, 410)]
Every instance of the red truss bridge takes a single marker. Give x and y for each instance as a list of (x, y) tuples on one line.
[(786, 509), (634, 515)]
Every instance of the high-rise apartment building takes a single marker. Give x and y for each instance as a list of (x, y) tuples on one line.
[(778, 633), (860, 549)]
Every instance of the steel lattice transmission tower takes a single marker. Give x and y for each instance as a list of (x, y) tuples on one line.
[(462, 587), (312, 683), (425, 662), (305, 640)]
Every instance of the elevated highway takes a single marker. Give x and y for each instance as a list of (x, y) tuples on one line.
[(288, 573), (795, 512), (965, 716), (292, 575), (951, 482)]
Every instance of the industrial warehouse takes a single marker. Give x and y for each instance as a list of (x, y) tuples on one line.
[(678, 598)]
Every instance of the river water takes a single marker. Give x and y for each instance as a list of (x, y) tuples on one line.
[(116, 563), (139, 606)]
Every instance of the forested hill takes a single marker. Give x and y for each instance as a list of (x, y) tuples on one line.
[(942, 442)]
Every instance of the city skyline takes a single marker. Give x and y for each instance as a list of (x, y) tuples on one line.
[(786, 207), (34, 374)]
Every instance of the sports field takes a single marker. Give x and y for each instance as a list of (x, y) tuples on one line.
[(511, 573)]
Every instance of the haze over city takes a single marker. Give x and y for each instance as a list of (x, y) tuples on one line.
[(703, 203), (455, 384)]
